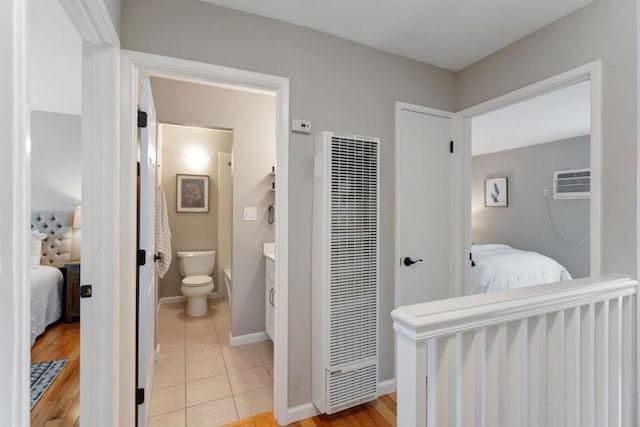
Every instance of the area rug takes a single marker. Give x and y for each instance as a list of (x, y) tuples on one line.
[(42, 376)]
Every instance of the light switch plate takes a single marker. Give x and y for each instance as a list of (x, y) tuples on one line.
[(250, 214)]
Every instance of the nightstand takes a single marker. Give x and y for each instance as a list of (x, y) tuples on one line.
[(71, 292)]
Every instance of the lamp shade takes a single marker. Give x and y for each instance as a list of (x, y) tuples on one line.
[(77, 217)]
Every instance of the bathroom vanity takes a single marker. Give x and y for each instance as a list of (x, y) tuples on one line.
[(270, 289)]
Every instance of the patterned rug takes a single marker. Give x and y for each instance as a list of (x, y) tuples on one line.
[(42, 376)]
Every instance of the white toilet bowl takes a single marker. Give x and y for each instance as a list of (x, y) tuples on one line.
[(195, 267), (196, 289)]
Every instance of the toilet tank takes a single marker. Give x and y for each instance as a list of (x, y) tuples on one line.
[(196, 263)]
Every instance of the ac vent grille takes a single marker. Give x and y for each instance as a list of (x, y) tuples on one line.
[(352, 387), (572, 184), (354, 251)]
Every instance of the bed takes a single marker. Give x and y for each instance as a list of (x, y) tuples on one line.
[(500, 267), (54, 229)]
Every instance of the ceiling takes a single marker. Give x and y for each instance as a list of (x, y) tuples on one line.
[(558, 115), (448, 34), (55, 56)]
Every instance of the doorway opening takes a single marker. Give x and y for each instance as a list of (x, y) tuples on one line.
[(530, 190), (55, 52), (564, 209), (221, 136)]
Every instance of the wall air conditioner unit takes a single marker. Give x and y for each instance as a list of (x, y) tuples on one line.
[(345, 271), (572, 184)]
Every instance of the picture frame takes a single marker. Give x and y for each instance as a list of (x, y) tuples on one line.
[(192, 193), (496, 192)]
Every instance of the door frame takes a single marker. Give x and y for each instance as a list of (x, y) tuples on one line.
[(462, 238), (181, 69), (399, 107)]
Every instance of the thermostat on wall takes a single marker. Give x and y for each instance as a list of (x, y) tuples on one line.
[(301, 126)]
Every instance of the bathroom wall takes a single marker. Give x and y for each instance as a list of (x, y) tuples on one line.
[(252, 117), (184, 151)]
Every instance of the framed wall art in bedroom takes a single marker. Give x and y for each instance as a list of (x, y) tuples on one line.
[(496, 192)]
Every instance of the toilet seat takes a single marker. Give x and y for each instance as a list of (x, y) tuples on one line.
[(197, 281)]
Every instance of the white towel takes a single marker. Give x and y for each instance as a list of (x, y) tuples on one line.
[(163, 233)]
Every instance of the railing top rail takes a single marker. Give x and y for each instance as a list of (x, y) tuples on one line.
[(454, 315)]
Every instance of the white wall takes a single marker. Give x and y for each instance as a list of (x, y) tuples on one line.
[(339, 86), (606, 30), (252, 117), (114, 7), (56, 168), (55, 60)]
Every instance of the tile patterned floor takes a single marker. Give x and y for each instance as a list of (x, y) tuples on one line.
[(200, 380)]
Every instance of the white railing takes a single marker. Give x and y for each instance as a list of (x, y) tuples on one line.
[(551, 355)]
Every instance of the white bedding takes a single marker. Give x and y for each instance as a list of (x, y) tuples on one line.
[(46, 298), (500, 267)]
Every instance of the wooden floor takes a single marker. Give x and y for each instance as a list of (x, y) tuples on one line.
[(381, 412), (60, 404)]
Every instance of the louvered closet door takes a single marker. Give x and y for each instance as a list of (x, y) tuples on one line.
[(354, 251)]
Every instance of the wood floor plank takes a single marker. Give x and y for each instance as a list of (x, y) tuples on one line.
[(60, 404), (379, 413)]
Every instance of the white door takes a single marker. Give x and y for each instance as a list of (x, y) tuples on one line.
[(423, 207), (147, 278)]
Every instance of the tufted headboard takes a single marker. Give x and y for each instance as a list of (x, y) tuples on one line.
[(56, 247)]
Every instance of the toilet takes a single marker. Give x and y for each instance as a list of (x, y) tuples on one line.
[(196, 268)]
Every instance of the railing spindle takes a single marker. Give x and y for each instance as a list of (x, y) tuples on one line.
[(517, 349), (602, 364), (572, 386)]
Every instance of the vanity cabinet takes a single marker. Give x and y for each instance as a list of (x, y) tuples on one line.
[(270, 298)]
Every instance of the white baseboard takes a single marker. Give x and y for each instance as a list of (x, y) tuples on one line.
[(182, 298), (248, 338), (302, 412), (386, 387), (309, 410), (156, 353)]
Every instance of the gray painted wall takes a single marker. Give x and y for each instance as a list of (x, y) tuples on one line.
[(605, 29), (55, 161), (252, 117), (523, 224), (338, 85), (190, 231)]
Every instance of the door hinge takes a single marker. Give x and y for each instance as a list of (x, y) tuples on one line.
[(451, 146), (142, 257), (142, 119), (139, 396), (86, 291), (473, 263)]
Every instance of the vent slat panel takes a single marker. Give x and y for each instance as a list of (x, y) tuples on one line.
[(571, 184), (352, 386), (345, 277), (354, 260)]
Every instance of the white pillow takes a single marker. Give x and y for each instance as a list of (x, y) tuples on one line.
[(36, 248)]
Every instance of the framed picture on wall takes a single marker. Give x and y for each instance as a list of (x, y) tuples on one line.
[(192, 193), (496, 192)]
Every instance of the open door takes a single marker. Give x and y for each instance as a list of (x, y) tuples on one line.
[(147, 277), (424, 230)]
